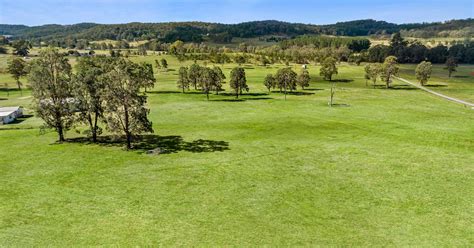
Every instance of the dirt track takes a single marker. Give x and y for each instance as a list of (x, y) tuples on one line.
[(467, 104)]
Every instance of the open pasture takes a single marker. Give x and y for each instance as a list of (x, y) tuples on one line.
[(383, 167)]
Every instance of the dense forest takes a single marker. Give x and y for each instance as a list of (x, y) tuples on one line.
[(223, 33)]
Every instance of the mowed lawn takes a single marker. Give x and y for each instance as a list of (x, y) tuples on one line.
[(382, 168)]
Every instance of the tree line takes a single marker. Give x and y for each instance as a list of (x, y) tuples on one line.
[(208, 79), (103, 89), (223, 33)]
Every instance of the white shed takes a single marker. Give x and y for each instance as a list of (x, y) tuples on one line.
[(9, 114)]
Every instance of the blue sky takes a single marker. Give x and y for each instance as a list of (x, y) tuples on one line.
[(37, 12)]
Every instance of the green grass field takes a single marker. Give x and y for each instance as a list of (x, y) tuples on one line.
[(383, 168)]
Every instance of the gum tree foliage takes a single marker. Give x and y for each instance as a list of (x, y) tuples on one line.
[(207, 79), (164, 63), (451, 64), (125, 110), (238, 81), (21, 47), (303, 79), (286, 80), (423, 72), (193, 74), (390, 69), (183, 79), (269, 82), (219, 78), (17, 67), (50, 80), (328, 68), (89, 91), (373, 72), (145, 71)]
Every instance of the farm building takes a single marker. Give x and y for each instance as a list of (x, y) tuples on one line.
[(9, 114)]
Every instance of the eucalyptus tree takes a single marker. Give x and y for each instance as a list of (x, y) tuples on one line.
[(52, 90), (183, 79), (373, 72), (423, 72), (451, 65), (269, 82), (303, 79), (17, 67), (219, 78), (207, 80), (390, 69), (89, 91), (194, 74), (328, 68), (238, 81), (125, 105), (286, 79)]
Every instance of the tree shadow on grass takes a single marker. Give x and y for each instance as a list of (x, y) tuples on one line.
[(435, 85), (9, 90), (176, 92), (299, 93), (460, 76), (21, 119), (244, 94), (313, 89), (403, 87), (343, 105), (294, 93), (242, 99), (342, 80), (155, 144)]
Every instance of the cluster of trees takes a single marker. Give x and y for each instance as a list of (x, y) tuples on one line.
[(286, 80), (103, 89), (385, 71), (355, 44), (390, 68), (452, 28), (211, 79), (416, 52)]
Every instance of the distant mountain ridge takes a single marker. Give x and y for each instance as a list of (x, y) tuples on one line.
[(198, 31)]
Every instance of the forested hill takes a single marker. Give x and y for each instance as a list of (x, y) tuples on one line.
[(222, 33)]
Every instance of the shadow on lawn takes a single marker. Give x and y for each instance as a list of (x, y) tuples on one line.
[(244, 94), (163, 144), (436, 85), (11, 90), (21, 119), (342, 80), (242, 99), (175, 92), (403, 87)]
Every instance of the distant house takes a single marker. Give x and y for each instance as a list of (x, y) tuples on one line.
[(9, 114)]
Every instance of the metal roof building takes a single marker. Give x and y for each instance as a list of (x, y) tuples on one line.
[(9, 114)]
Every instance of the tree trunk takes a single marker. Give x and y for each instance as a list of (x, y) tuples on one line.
[(207, 95), (127, 129), (94, 132), (19, 87), (61, 133), (332, 95), (129, 140), (91, 127)]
